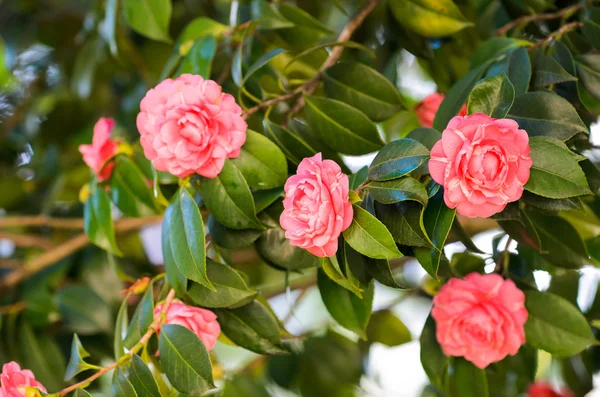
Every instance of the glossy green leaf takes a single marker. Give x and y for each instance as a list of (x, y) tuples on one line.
[(81, 393), (264, 198), (387, 329), (437, 220), (121, 326), (83, 310), (431, 18), (174, 276), (346, 308), (185, 360), (517, 67), (466, 380), (341, 126), (261, 162), (129, 189), (186, 230), (142, 318), (547, 114), (299, 17), (121, 386), (555, 325), (456, 97), (149, 17), (588, 71), (229, 200), (425, 136), (463, 263), (294, 147), (202, 26), (397, 158), (260, 62), (231, 238), (76, 361), (591, 26), (495, 49), (231, 289), (548, 71), (269, 17), (555, 173), (493, 96), (141, 378), (521, 230), (369, 236), (390, 192), (253, 327), (364, 89), (356, 179), (98, 223), (40, 354), (561, 244), (433, 360), (404, 220), (573, 203), (331, 268), (200, 57)]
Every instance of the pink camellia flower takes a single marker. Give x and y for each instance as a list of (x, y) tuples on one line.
[(188, 126), (480, 318), (543, 389), (200, 321), (482, 163), (14, 381), (428, 107), (101, 150), (316, 206)]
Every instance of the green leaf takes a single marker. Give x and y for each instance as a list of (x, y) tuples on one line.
[(387, 329), (547, 114), (185, 360), (370, 237), (495, 49), (175, 278), (517, 66), (202, 26), (149, 17), (591, 26), (141, 378), (547, 71), (264, 198), (397, 158), (425, 136), (299, 17), (364, 89), (129, 189), (98, 223), (467, 380), (521, 229), (269, 17), (356, 179), (437, 220), (231, 289), (294, 147), (200, 57), (83, 310), (81, 393), (275, 248), (332, 269), (40, 354), (430, 18), (260, 62), (261, 162), (231, 238), (253, 327), (389, 192), (142, 318), (186, 230), (341, 126), (493, 96), (121, 328), (346, 308), (76, 362), (229, 200), (561, 244), (463, 263), (404, 220), (573, 203), (433, 360), (588, 70), (555, 173), (456, 97), (121, 387), (555, 325)]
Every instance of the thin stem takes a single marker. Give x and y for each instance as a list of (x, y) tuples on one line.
[(564, 29), (154, 327), (541, 17), (70, 223), (27, 240), (311, 85)]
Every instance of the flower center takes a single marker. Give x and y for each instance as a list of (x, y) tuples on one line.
[(490, 164)]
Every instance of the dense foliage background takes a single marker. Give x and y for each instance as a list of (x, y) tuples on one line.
[(340, 77)]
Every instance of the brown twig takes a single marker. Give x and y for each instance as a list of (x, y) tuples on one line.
[(15, 307), (564, 29), (154, 327), (65, 249), (27, 240), (69, 223), (311, 85), (541, 17)]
